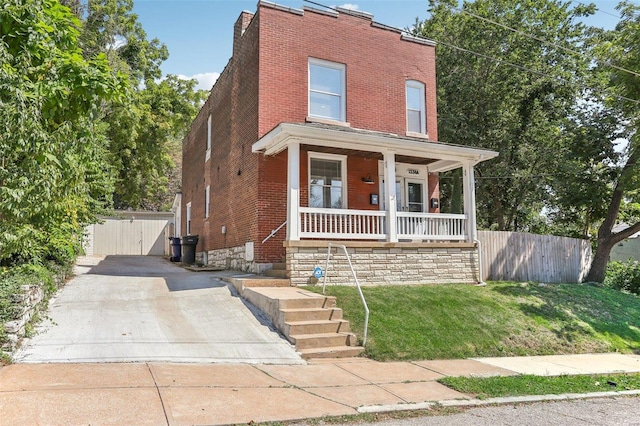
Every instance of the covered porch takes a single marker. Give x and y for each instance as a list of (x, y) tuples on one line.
[(405, 165)]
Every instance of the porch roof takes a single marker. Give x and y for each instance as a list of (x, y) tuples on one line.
[(445, 156)]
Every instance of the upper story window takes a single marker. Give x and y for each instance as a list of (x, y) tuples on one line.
[(416, 117), (207, 201), (189, 218), (208, 153), (327, 174), (327, 90)]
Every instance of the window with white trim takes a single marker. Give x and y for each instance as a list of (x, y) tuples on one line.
[(327, 90), (327, 181), (208, 153), (416, 117), (189, 218), (207, 199)]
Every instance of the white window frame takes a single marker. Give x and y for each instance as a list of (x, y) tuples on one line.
[(415, 84), (343, 89), (343, 172), (188, 218), (207, 200), (208, 153)]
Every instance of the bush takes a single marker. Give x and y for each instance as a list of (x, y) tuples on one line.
[(623, 276)]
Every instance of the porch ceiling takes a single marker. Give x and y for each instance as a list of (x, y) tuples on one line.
[(331, 138)]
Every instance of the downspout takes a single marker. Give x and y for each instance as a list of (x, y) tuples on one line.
[(481, 282)]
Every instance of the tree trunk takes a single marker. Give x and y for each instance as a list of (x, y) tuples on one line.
[(606, 238), (599, 262)]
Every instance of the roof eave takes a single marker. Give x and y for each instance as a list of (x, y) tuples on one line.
[(279, 138)]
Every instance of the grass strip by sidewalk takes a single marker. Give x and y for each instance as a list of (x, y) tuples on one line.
[(491, 387)]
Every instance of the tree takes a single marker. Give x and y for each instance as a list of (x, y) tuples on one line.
[(621, 48), (53, 175), (157, 119), (483, 100), (145, 125), (588, 167)]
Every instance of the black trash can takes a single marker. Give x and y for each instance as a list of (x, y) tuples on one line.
[(176, 252), (189, 243)]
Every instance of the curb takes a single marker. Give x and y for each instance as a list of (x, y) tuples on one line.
[(492, 401)]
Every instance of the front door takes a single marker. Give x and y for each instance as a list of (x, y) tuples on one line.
[(410, 195), (414, 195)]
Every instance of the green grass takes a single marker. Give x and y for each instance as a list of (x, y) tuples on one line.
[(490, 387), (501, 319)]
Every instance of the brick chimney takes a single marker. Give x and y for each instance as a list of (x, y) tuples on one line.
[(238, 29)]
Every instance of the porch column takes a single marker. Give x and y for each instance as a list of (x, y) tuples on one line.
[(293, 191), (390, 191), (469, 192)]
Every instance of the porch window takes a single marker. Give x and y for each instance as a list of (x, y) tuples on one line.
[(416, 121), (326, 90), (326, 181)]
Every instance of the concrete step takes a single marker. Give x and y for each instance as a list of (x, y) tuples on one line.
[(307, 302), (310, 314), (332, 352), (310, 321), (256, 281), (277, 273), (322, 340), (296, 328)]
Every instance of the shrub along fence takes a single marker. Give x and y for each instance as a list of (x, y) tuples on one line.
[(518, 256)]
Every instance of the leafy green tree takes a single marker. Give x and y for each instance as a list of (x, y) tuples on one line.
[(588, 167), (145, 125), (54, 177), (156, 120), (517, 110), (621, 49)]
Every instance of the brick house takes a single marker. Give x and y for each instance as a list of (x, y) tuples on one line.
[(319, 123)]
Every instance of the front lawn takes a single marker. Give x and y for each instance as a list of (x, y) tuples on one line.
[(501, 319)]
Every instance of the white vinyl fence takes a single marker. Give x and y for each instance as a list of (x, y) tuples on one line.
[(516, 256)]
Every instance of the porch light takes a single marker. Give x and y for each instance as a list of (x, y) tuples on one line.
[(368, 179)]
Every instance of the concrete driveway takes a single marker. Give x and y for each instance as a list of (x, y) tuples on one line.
[(136, 309)]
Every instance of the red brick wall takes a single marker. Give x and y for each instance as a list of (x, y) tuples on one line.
[(232, 170), (377, 62), (265, 84)]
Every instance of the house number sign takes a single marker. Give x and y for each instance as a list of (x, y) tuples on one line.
[(317, 272), (413, 171)]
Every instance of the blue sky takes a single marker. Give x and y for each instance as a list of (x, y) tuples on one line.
[(198, 33)]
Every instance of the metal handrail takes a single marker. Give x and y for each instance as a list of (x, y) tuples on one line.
[(274, 231), (353, 272)]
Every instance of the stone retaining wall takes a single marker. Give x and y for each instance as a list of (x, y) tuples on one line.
[(29, 298), (384, 263)]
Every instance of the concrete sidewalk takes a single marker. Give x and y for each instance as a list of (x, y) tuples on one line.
[(177, 394)]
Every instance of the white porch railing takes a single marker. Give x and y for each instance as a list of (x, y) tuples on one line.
[(371, 225), (431, 226), (342, 223)]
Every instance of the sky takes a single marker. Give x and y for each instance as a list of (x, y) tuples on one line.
[(199, 33)]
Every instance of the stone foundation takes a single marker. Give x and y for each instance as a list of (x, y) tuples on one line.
[(239, 258), (380, 263)]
